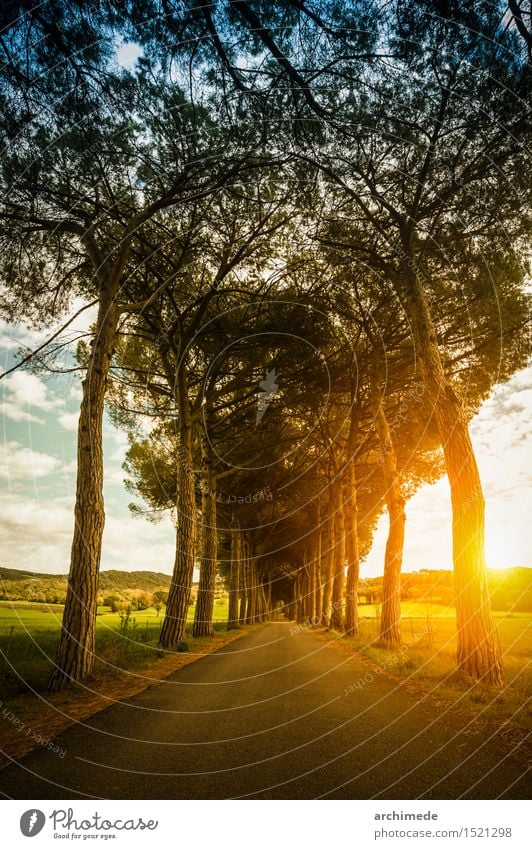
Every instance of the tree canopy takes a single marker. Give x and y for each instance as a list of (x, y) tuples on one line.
[(304, 227)]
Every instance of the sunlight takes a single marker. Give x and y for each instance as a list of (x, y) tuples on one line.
[(502, 551)]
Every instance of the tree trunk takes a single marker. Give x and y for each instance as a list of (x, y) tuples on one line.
[(300, 610), (203, 615), (250, 585), (234, 578), (243, 582), (479, 654), (318, 541), (75, 653), (311, 581), (262, 602), (329, 565), (258, 602), (269, 612), (390, 623), (175, 620), (337, 614), (291, 606), (353, 559), (252, 590), (306, 587)]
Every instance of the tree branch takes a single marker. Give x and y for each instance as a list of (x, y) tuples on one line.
[(48, 341)]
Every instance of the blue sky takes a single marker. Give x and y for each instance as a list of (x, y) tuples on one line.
[(37, 471)]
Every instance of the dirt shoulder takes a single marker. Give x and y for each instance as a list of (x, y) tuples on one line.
[(36, 719)]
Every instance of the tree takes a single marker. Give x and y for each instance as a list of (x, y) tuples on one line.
[(91, 201), (176, 346), (412, 183)]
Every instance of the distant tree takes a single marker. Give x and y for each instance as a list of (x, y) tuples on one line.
[(160, 597), (143, 601), (112, 601)]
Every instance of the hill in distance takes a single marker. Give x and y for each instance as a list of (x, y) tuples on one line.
[(510, 589), (109, 579), (21, 584)]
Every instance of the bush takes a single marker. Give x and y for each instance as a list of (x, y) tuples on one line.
[(143, 601), (112, 601), (160, 597), (126, 622)]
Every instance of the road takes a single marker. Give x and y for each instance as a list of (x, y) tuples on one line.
[(273, 715)]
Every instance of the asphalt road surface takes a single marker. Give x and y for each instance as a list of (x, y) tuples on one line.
[(274, 715)]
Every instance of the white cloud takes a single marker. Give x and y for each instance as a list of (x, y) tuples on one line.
[(133, 543), (16, 336), (37, 534), (75, 392), (121, 443), (23, 393), (20, 463), (17, 414), (69, 421), (128, 53), (84, 321), (70, 468), (116, 476)]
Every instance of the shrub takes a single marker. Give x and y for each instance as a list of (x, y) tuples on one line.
[(112, 601)]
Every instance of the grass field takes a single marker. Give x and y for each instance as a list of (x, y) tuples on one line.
[(30, 616), (428, 658), (29, 634)]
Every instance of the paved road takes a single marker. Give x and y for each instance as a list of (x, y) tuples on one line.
[(268, 717)]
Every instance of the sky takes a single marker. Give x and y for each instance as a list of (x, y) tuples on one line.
[(38, 466), (501, 438)]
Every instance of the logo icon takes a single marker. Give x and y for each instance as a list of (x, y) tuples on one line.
[(32, 822), (268, 388)]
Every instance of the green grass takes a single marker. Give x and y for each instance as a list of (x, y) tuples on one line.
[(29, 634), (29, 616)]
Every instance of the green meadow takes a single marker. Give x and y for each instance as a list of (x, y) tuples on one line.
[(29, 633), (32, 616)]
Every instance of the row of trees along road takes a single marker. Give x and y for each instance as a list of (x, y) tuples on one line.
[(334, 193)]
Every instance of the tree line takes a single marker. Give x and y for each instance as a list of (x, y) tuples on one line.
[(303, 228)]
